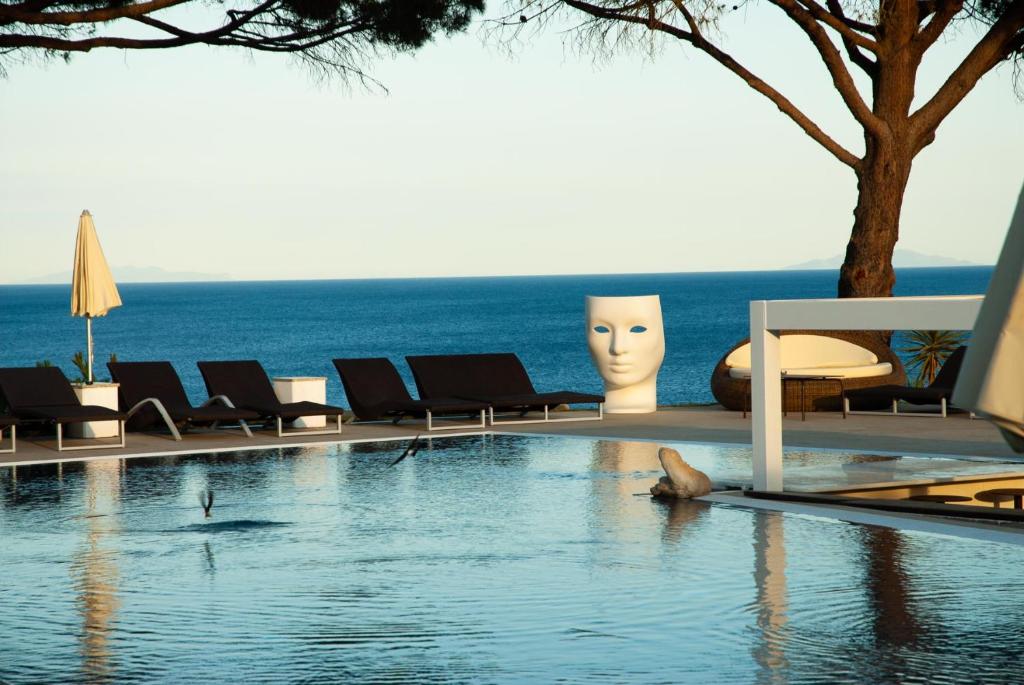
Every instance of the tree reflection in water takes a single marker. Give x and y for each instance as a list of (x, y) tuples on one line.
[(896, 620)]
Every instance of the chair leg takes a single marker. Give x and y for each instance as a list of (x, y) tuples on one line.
[(14, 440), (159, 406), (943, 407)]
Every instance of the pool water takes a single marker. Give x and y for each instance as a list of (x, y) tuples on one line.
[(482, 559)]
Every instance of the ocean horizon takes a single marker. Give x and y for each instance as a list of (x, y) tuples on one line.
[(296, 327)]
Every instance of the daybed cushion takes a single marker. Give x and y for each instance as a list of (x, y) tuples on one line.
[(865, 371), (814, 355)]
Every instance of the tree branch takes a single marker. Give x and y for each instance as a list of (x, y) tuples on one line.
[(16, 40), (238, 20), (866, 64), (943, 13), (836, 67), (12, 14), (1002, 40), (838, 22), (695, 38)]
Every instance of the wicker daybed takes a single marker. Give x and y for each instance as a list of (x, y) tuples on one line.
[(733, 392)]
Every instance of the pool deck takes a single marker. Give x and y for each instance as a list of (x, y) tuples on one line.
[(955, 435)]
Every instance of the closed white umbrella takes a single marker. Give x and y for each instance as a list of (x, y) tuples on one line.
[(991, 381), (93, 291)]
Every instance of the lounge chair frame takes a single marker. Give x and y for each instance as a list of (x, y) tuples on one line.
[(398, 418), (896, 410), (166, 417), (14, 439), (459, 426), (547, 418)]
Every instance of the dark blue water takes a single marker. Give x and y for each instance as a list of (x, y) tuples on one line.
[(297, 327)]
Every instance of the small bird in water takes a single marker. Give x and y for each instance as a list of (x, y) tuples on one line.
[(206, 501), (410, 451)]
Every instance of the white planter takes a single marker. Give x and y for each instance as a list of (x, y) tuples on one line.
[(303, 389), (97, 395)]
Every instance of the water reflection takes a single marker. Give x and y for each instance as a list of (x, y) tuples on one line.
[(896, 621), (681, 514), (613, 512), (94, 567), (210, 564), (768, 648)]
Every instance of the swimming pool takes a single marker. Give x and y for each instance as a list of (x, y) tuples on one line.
[(483, 559)]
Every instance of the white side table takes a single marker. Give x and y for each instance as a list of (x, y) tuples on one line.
[(99, 395), (303, 389)]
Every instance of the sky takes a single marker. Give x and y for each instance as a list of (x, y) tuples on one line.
[(474, 162)]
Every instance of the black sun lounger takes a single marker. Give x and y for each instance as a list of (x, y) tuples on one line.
[(9, 423), (376, 392), (498, 379), (940, 391), (153, 393), (246, 385), (44, 395)]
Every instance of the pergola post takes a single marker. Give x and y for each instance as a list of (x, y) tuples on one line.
[(766, 405), (768, 317)]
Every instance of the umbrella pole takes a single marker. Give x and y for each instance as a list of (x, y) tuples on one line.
[(88, 336)]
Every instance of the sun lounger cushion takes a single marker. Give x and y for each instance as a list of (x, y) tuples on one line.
[(247, 385), (44, 394), (865, 371), (814, 355), (499, 379), (375, 391), (144, 380)]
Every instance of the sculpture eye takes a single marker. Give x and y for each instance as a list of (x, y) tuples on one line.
[(601, 329), (638, 329)]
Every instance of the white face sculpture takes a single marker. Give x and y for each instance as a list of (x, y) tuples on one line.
[(626, 338)]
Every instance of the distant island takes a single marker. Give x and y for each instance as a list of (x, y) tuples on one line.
[(137, 274), (901, 259)]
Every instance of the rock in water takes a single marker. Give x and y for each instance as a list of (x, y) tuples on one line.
[(682, 480)]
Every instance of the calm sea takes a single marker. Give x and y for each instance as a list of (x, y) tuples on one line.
[(297, 327)]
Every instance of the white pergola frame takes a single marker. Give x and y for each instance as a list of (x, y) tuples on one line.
[(768, 317)]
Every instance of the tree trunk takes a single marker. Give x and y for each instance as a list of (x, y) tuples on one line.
[(867, 270)]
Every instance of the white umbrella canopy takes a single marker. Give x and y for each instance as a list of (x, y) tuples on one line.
[(93, 291), (991, 381)]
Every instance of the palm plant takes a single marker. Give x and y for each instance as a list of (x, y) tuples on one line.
[(81, 365), (929, 350)]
